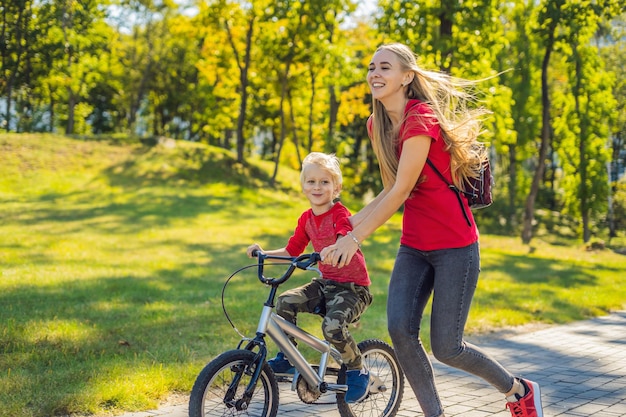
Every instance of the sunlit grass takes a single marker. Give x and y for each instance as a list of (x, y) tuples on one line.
[(113, 259)]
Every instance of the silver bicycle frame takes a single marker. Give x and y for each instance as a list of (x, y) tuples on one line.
[(279, 330)]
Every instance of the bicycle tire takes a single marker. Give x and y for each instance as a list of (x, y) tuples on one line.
[(208, 395), (380, 359)]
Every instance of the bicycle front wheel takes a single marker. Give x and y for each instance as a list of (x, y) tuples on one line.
[(220, 386), (386, 383)]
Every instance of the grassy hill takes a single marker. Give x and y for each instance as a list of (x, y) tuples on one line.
[(113, 258)]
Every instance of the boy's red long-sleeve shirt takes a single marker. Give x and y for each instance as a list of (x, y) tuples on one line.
[(323, 231)]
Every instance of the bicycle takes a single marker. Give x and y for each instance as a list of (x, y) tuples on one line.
[(240, 382)]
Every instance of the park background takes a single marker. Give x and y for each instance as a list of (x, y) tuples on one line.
[(146, 144)]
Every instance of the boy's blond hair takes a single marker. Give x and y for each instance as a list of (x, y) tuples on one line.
[(328, 162)]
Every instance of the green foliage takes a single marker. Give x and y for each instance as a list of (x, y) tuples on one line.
[(279, 79), (516, 147), (584, 110)]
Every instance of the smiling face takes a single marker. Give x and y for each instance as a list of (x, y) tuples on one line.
[(319, 188), (385, 76)]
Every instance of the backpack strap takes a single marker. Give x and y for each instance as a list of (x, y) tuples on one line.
[(453, 188)]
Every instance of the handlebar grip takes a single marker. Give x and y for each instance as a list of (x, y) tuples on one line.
[(305, 261), (255, 253)]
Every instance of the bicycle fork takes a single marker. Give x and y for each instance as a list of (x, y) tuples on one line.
[(241, 403)]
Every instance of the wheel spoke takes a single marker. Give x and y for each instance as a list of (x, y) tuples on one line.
[(220, 387)]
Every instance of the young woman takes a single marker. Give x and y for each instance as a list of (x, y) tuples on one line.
[(420, 114)]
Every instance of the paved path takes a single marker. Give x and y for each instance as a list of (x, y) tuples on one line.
[(581, 368)]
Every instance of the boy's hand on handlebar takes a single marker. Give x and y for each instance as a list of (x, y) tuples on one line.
[(252, 248)]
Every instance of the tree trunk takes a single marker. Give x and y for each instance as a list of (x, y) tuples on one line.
[(71, 105), (512, 184), (582, 148), (333, 110), (294, 131), (611, 213), (283, 128), (288, 58), (243, 83), (11, 61), (52, 114), (546, 128), (546, 131), (9, 91), (448, 8), (309, 145)]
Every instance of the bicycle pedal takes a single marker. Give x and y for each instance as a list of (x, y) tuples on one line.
[(376, 385), (284, 377)]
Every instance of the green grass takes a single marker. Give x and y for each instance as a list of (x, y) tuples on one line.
[(113, 258)]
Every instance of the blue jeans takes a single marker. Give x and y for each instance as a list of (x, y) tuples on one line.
[(451, 276)]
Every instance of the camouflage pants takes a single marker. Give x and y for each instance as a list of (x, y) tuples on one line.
[(339, 303)]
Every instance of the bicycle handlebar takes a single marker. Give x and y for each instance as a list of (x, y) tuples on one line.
[(304, 261)]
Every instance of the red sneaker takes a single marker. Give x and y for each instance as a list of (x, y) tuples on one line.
[(530, 404)]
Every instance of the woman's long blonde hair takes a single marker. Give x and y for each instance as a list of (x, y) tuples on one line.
[(449, 98)]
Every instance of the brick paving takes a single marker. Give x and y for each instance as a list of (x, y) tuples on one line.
[(581, 368)]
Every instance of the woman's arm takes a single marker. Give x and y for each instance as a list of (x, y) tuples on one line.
[(357, 218), (412, 160)]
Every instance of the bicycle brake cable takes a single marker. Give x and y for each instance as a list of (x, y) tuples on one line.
[(224, 291)]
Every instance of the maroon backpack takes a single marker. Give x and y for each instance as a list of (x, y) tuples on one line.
[(477, 190)]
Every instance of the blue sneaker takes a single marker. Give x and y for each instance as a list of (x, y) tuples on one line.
[(358, 381), (280, 365)]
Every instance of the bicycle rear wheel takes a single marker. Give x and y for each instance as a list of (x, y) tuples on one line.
[(219, 388), (386, 394)]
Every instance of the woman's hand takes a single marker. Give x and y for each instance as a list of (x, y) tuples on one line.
[(340, 254)]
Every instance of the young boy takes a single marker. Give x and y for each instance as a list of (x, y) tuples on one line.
[(342, 295)]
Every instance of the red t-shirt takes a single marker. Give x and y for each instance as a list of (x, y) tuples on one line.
[(323, 231), (433, 218)]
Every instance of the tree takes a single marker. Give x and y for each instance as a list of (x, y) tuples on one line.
[(240, 27), (609, 40), (550, 15), (520, 55), (14, 47), (82, 38), (299, 32)]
